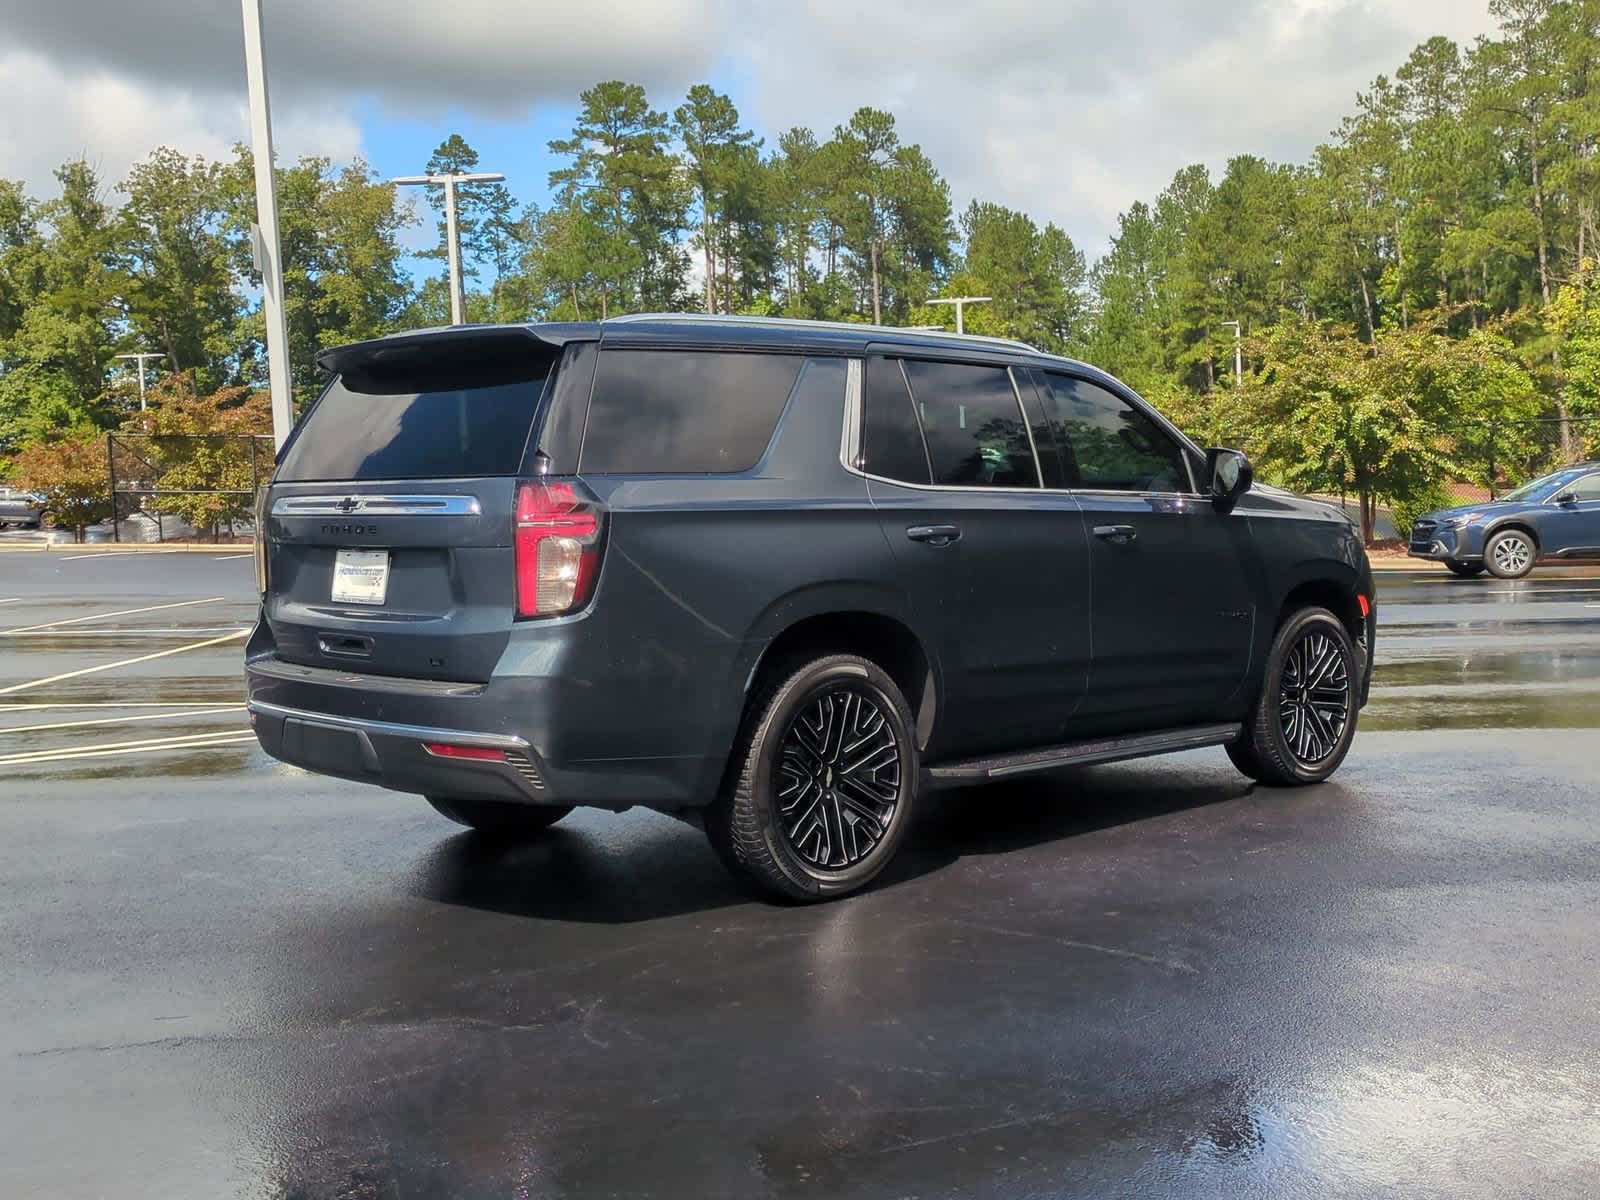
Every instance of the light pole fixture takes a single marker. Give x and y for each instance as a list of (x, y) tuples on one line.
[(1238, 351), (961, 303), (264, 233), (140, 359), (458, 299)]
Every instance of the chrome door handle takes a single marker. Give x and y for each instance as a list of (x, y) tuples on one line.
[(1119, 535), (934, 535)]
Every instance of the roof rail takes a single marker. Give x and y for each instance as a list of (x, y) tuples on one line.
[(803, 323)]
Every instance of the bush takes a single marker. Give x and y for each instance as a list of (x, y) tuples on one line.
[(70, 472), (1429, 498)]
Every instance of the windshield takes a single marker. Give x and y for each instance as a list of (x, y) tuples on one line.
[(1544, 487)]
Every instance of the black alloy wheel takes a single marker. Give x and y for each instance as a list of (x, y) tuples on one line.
[(838, 778), (821, 782), (1314, 697), (1305, 718)]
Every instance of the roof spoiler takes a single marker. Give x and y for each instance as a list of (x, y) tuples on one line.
[(455, 357)]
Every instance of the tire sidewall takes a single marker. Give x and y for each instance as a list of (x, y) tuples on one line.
[(1297, 626), (790, 700), (1494, 568)]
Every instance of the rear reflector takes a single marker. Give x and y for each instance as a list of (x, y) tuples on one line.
[(1366, 606), (557, 540), (477, 753)]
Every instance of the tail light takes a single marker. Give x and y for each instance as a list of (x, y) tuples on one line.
[(557, 538), (261, 540)]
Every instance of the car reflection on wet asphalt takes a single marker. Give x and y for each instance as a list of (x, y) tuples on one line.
[(223, 976)]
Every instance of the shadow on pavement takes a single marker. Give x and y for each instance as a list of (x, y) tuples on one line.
[(583, 875)]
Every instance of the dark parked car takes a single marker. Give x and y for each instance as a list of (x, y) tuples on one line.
[(1555, 516), (21, 508), (778, 578)]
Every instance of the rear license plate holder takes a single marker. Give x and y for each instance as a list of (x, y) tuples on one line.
[(360, 577)]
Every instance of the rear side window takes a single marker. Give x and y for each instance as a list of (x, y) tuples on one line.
[(414, 435), (1116, 447), (664, 412), (973, 425), (891, 442)]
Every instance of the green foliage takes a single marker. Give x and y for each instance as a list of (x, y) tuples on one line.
[(69, 470), (1416, 301), (196, 443)]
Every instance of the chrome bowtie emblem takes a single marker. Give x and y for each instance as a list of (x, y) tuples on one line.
[(348, 505)]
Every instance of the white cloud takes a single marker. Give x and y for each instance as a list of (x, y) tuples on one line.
[(1070, 109), (1073, 109), (114, 121)]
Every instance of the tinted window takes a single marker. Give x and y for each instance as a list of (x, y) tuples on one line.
[(658, 412), (891, 443), (416, 435), (1115, 446), (974, 429), (1587, 488)]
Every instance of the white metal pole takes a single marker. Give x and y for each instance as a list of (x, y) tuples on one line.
[(961, 303), (457, 300), (141, 383), (271, 265)]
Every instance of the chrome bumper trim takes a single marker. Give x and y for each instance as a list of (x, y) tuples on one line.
[(419, 733)]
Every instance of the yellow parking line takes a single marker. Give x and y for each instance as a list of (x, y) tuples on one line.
[(229, 557), (121, 612), (199, 741), (97, 554), (126, 662), (161, 716)]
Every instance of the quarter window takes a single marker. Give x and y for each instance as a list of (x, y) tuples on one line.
[(664, 412), (974, 428), (891, 442), (1115, 447)]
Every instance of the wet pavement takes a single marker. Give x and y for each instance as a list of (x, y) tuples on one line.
[(225, 977)]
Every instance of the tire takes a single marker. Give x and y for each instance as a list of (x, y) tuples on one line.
[(1464, 570), (1510, 554), (1305, 743), (821, 783), (500, 818)]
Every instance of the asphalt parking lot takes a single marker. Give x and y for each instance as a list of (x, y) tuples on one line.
[(226, 977)]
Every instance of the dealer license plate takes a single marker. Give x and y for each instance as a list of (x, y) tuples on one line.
[(360, 576)]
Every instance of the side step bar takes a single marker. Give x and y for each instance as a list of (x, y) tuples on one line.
[(1078, 754)]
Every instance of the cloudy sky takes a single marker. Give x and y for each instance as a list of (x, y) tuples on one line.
[(1070, 109)]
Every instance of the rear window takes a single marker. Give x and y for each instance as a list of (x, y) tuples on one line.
[(664, 412), (415, 435)]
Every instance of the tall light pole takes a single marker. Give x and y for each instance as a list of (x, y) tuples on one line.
[(264, 234), (140, 359), (1238, 351), (458, 299), (961, 303)]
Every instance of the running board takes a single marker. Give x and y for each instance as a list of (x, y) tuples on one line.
[(1078, 754)]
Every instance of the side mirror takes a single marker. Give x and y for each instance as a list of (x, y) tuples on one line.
[(1566, 499), (1228, 476)]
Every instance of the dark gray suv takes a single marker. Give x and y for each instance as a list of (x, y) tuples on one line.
[(779, 578)]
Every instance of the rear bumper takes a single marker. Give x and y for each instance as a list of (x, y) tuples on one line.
[(395, 755), (563, 744)]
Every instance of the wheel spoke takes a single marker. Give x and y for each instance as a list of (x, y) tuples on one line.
[(838, 783), (1314, 697)]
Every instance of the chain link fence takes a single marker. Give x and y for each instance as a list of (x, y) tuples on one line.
[(195, 481), (1497, 456)]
